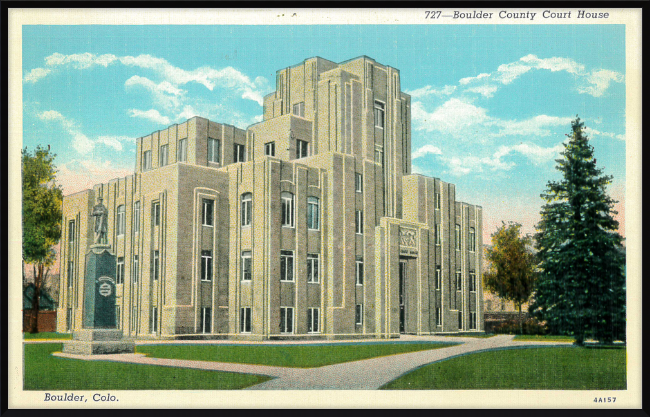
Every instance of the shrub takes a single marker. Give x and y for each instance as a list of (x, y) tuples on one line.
[(529, 327)]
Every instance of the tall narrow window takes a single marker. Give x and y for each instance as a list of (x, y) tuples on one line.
[(287, 209), (313, 213), (206, 320), (146, 160), (155, 259), (214, 150), (299, 109), (286, 319), (68, 319), (238, 152), (359, 222), (118, 317), (70, 273), (472, 281), (136, 269), (313, 268), (71, 231), (379, 114), (269, 149), (472, 320), (379, 156), (245, 320), (134, 319), (358, 314), (313, 320), (155, 213), (438, 234), (246, 266), (164, 155), (438, 278), (472, 240), (460, 320), (301, 149), (438, 316), (286, 265), (206, 265), (437, 201), (359, 271), (246, 209), (120, 270), (136, 217), (120, 223), (154, 320), (208, 208), (181, 152), (358, 182), (458, 242), (459, 280)]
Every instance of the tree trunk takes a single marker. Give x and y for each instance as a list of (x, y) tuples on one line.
[(36, 302)]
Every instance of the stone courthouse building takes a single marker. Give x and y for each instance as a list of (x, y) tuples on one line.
[(307, 224)]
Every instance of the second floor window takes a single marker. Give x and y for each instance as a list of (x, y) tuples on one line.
[(359, 222), (313, 213), (155, 213), (164, 155), (120, 270), (146, 160), (155, 265), (136, 269), (438, 235), (287, 209), (438, 278), (286, 266), (214, 148), (208, 206), (312, 268), (472, 281), (238, 152), (358, 182), (269, 149), (459, 280), (121, 220), (181, 153), (301, 149), (70, 273), (246, 209), (206, 265), (379, 114), (246, 266), (359, 271)]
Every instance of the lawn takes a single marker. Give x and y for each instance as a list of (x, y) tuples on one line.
[(296, 356), (47, 335), (478, 336), (567, 368), (543, 338), (46, 372)]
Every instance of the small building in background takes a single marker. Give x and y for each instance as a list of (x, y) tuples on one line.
[(47, 309)]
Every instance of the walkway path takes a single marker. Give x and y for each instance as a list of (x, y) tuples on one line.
[(367, 374)]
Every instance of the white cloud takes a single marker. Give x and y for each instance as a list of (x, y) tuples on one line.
[(36, 74), (82, 144), (79, 61), (554, 64), (431, 91), (594, 132), (79, 175), (453, 116), (152, 115), (165, 94), (510, 72), (426, 150), (468, 80), (114, 142), (535, 126), (599, 82), (486, 90), (538, 154)]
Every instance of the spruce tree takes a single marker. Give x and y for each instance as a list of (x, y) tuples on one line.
[(580, 289)]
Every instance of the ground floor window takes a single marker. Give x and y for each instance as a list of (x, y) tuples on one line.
[(472, 320), (313, 320), (206, 320), (154, 320), (438, 316), (460, 320), (359, 314), (68, 319), (134, 319), (245, 320), (286, 319), (118, 317)]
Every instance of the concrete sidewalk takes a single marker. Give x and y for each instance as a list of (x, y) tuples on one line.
[(367, 374)]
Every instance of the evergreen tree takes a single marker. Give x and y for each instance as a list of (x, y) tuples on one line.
[(581, 287)]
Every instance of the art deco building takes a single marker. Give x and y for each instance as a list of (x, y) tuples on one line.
[(307, 224)]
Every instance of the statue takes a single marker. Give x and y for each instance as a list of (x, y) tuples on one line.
[(100, 213)]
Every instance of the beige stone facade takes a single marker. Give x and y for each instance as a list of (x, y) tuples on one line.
[(307, 224)]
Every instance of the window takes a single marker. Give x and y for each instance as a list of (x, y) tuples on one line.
[(313, 320), (437, 201), (134, 319), (438, 235), (287, 209), (286, 319), (208, 206), (154, 320), (313, 268), (359, 222), (71, 231), (379, 114), (155, 259), (120, 223), (299, 109), (70, 273), (459, 280), (313, 213), (146, 160), (246, 209), (460, 320), (136, 269), (120, 270), (68, 319), (472, 281), (246, 266), (379, 156), (206, 320), (301, 149), (206, 265), (358, 314), (118, 317), (358, 182), (238, 152), (136, 217), (269, 149), (438, 316), (214, 150), (359, 271), (458, 242), (164, 155), (472, 320), (472, 239), (438, 278), (245, 320), (181, 152), (155, 213), (286, 266)]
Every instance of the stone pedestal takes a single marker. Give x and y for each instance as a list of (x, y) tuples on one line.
[(97, 342)]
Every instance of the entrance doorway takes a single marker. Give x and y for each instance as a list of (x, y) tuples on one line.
[(402, 295)]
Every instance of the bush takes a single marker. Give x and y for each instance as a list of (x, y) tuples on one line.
[(529, 327)]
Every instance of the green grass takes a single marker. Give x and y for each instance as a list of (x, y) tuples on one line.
[(543, 338), (552, 368), (479, 336), (285, 355), (46, 372), (47, 335)]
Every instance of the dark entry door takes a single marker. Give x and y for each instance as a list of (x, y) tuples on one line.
[(402, 295)]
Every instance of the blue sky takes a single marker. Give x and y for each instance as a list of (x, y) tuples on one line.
[(491, 104)]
